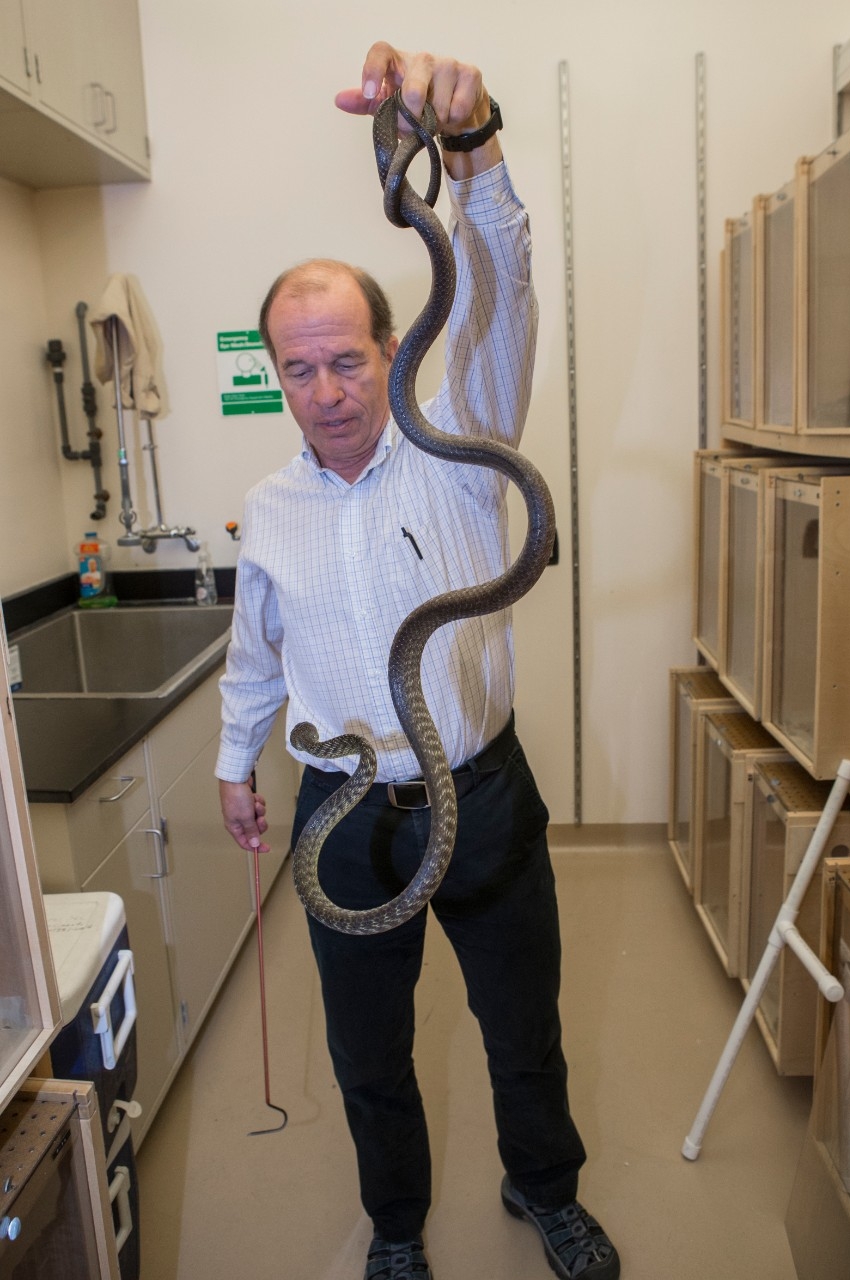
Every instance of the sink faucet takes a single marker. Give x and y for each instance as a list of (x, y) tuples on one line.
[(150, 537)]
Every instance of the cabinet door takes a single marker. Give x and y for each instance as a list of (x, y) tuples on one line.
[(208, 886), (133, 871), (13, 41), (64, 61), (119, 72)]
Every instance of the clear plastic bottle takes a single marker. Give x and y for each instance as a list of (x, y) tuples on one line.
[(206, 592)]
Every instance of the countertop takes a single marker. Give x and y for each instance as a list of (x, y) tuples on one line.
[(68, 743)]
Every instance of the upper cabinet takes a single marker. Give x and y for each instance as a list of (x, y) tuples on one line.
[(13, 46), (72, 102)]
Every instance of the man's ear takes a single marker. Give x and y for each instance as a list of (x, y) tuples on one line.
[(391, 348)]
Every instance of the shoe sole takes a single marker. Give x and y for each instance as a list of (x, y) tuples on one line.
[(608, 1270)]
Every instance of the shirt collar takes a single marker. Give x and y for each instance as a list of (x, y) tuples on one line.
[(387, 441)]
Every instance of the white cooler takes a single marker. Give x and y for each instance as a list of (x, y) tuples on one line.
[(94, 971)]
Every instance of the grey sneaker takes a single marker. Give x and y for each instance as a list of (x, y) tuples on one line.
[(576, 1247), (405, 1261)]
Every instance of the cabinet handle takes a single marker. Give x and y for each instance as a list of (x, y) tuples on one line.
[(98, 112), (113, 111), (161, 863), (128, 781)]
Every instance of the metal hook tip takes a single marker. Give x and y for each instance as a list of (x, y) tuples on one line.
[(256, 1133)]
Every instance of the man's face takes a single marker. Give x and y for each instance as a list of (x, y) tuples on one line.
[(333, 373)]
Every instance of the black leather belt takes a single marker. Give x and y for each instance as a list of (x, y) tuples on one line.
[(413, 795)]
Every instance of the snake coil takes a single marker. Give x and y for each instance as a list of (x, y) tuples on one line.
[(404, 207)]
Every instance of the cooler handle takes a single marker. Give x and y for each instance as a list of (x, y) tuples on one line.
[(119, 1189), (111, 1045)]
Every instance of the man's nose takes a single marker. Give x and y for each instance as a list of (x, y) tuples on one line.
[(328, 387)]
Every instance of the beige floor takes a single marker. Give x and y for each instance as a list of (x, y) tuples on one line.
[(647, 1011)]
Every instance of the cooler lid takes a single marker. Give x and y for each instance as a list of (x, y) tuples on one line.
[(84, 928)]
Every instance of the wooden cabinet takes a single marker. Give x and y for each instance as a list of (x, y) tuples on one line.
[(29, 1001), (73, 106), (151, 832)]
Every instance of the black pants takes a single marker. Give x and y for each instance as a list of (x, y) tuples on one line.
[(497, 906)]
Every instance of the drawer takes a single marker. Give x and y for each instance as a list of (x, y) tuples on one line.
[(101, 817), (71, 840)]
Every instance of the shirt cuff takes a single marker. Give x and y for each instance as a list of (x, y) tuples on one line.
[(234, 765), (484, 198)]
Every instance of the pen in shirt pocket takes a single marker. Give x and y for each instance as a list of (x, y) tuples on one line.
[(407, 534)]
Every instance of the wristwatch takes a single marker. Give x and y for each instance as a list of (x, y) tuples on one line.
[(469, 141)]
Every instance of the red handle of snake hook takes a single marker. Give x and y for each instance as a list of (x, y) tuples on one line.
[(258, 891)]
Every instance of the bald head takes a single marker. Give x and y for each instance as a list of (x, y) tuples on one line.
[(319, 275)]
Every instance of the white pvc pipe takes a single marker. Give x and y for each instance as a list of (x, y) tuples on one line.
[(830, 987), (780, 935)]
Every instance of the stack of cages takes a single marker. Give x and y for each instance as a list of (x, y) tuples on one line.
[(694, 692), (806, 685), (786, 804), (729, 745)]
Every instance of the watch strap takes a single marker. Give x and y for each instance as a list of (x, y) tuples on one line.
[(477, 137)]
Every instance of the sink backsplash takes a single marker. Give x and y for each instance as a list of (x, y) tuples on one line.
[(130, 586)]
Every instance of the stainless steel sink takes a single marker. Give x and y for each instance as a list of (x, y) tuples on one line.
[(130, 652)]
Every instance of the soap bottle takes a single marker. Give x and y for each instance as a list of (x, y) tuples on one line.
[(91, 568), (205, 588)]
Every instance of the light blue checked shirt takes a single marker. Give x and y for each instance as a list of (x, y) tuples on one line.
[(325, 573)]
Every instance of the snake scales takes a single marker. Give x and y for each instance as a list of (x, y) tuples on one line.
[(405, 207)]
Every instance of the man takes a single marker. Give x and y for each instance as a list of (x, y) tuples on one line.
[(337, 548)]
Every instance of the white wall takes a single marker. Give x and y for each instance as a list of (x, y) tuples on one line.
[(31, 509), (254, 169)]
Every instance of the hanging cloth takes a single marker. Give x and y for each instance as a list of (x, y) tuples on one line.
[(139, 347)]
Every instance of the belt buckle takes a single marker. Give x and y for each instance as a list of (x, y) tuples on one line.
[(397, 802)]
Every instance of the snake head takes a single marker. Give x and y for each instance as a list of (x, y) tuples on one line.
[(304, 736)]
